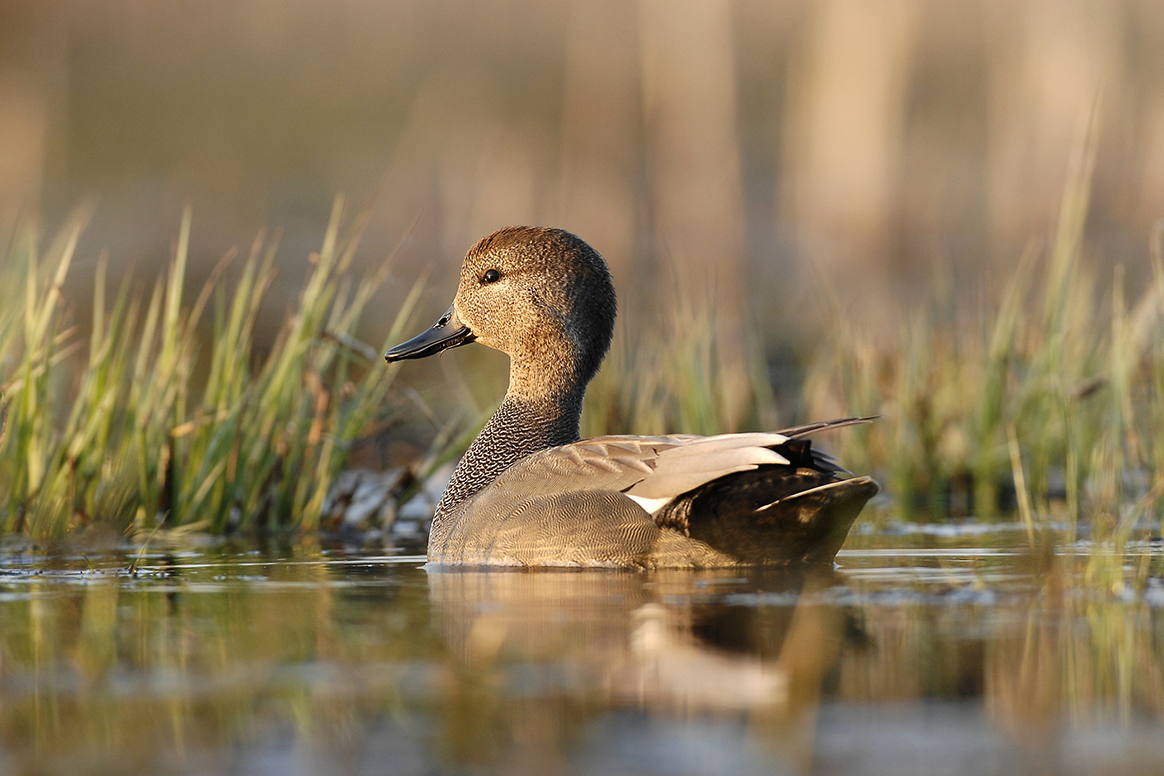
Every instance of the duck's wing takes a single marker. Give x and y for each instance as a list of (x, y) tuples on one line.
[(651, 471), (583, 503), (612, 463), (683, 468)]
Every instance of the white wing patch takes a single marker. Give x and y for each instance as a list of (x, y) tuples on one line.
[(686, 467), (651, 505)]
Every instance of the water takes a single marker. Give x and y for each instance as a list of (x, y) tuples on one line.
[(927, 651)]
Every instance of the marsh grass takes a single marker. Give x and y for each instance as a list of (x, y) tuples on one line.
[(672, 373), (1047, 401), (151, 422)]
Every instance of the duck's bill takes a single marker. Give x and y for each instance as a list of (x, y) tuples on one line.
[(446, 333)]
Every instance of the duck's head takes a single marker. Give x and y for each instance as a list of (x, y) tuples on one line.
[(543, 296)]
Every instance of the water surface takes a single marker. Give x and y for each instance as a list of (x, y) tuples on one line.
[(929, 651)]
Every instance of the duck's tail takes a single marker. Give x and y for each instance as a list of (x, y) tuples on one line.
[(775, 514)]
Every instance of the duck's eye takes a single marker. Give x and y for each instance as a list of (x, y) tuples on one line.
[(491, 276)]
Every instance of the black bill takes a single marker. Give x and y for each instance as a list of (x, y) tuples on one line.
[(446, 333)]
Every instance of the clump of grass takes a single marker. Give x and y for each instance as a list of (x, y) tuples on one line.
[(686, 371), (135, 431), (1050, 391)]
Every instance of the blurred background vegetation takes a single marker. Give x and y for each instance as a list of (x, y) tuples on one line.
[(784, 144), (773, 184)]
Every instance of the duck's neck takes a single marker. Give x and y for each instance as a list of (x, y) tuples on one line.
[(520, 427)]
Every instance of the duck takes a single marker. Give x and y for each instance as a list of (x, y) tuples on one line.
[(529, 492)]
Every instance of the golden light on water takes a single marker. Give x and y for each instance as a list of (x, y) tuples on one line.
[(922, 652)]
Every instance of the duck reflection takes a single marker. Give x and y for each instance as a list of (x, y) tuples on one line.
[(555, 651)]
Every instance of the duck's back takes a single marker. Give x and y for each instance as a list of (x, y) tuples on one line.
[(710, 505)]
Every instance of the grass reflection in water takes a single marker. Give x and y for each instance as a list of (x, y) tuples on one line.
[(922, 650)]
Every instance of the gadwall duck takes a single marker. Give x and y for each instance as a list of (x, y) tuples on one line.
[(528, 493)]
